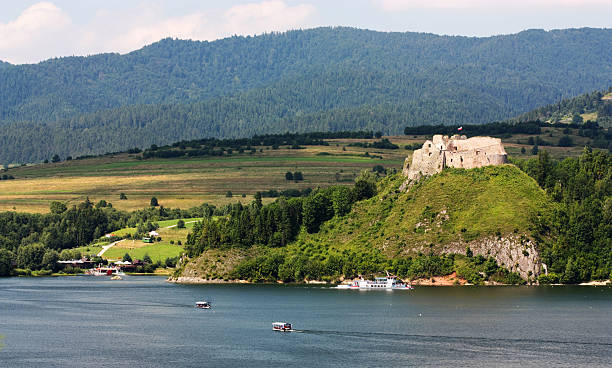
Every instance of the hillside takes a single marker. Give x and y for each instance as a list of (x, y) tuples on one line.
[(319, 79), (595, 107), (490, 210)]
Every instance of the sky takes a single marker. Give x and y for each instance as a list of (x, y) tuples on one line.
[(36, 30)]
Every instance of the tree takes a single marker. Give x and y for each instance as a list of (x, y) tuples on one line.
[(229, 194), (57, 207), (365, 185), (577, 119), (6, 262), (49, 260), (379, 169), (180, 224), (534, 150), (147, 258), (288, 175), (523, 150), (565, 141), (297, 176), (122, 196), (154, 202), (55, 158), (30, 256), (342, 199), (127, 258), (378, 135)]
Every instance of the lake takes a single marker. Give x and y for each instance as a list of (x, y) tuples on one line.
[(146, 322)]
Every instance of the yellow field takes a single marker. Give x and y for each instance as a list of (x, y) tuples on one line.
[(186, 183)]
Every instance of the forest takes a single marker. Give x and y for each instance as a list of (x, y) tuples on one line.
[(324, 79), (594, 102)]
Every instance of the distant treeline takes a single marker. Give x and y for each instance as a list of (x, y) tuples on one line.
[(218, 147), (382, 144), (600, 137), (531, 127)]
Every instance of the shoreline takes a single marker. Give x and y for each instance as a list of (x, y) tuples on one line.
[(438, 281)]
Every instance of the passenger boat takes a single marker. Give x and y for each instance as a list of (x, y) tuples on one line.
[(203, 305), (105, 271), (385, 283), (282, 326)]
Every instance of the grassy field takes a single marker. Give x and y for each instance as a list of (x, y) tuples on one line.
[(189, 182), (158, 251), (186, 183)]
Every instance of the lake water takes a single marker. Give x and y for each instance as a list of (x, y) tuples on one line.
[(146, 322)]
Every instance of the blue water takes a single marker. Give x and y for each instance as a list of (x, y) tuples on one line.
[(146, 322)]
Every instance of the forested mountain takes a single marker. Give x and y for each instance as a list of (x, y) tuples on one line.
[(597, 105), (319, 79)]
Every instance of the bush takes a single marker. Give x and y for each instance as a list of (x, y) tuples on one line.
[(551, 278), (180, 224), (154, 202)]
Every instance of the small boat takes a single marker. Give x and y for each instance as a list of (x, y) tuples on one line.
[(282, 326), (116, 277), (203, 305), (385, 283)]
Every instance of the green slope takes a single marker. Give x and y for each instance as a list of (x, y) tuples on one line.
[(595, 106), (456, 205), (485, 208)]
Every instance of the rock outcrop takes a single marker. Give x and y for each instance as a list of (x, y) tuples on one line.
[(456, 151)]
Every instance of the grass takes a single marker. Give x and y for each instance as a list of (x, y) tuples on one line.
[(90, 249), (189, 182), (185, 183), (456, 205), (157, 251)]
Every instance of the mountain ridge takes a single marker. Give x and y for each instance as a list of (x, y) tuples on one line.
[(405, 78)]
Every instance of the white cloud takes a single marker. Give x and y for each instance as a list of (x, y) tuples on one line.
[(44, 30), (405, 5), (266, 16), (31, 25)]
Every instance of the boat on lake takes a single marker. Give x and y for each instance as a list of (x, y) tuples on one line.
[(380, 283), (105, 271), (282, 326), (203, 305)]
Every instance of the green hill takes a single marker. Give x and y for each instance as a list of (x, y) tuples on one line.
[(320, 79), (595, 107), (491, 210)]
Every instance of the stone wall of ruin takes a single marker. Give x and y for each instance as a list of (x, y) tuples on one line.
[(457, 152)]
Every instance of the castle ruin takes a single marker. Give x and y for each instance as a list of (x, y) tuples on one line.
[(456, 151)]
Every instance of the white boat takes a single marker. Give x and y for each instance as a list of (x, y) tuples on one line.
[(282, 326), (381, 283), (105, 271), (203, 305)]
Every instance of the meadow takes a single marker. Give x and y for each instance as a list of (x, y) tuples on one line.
[(189, 182)]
